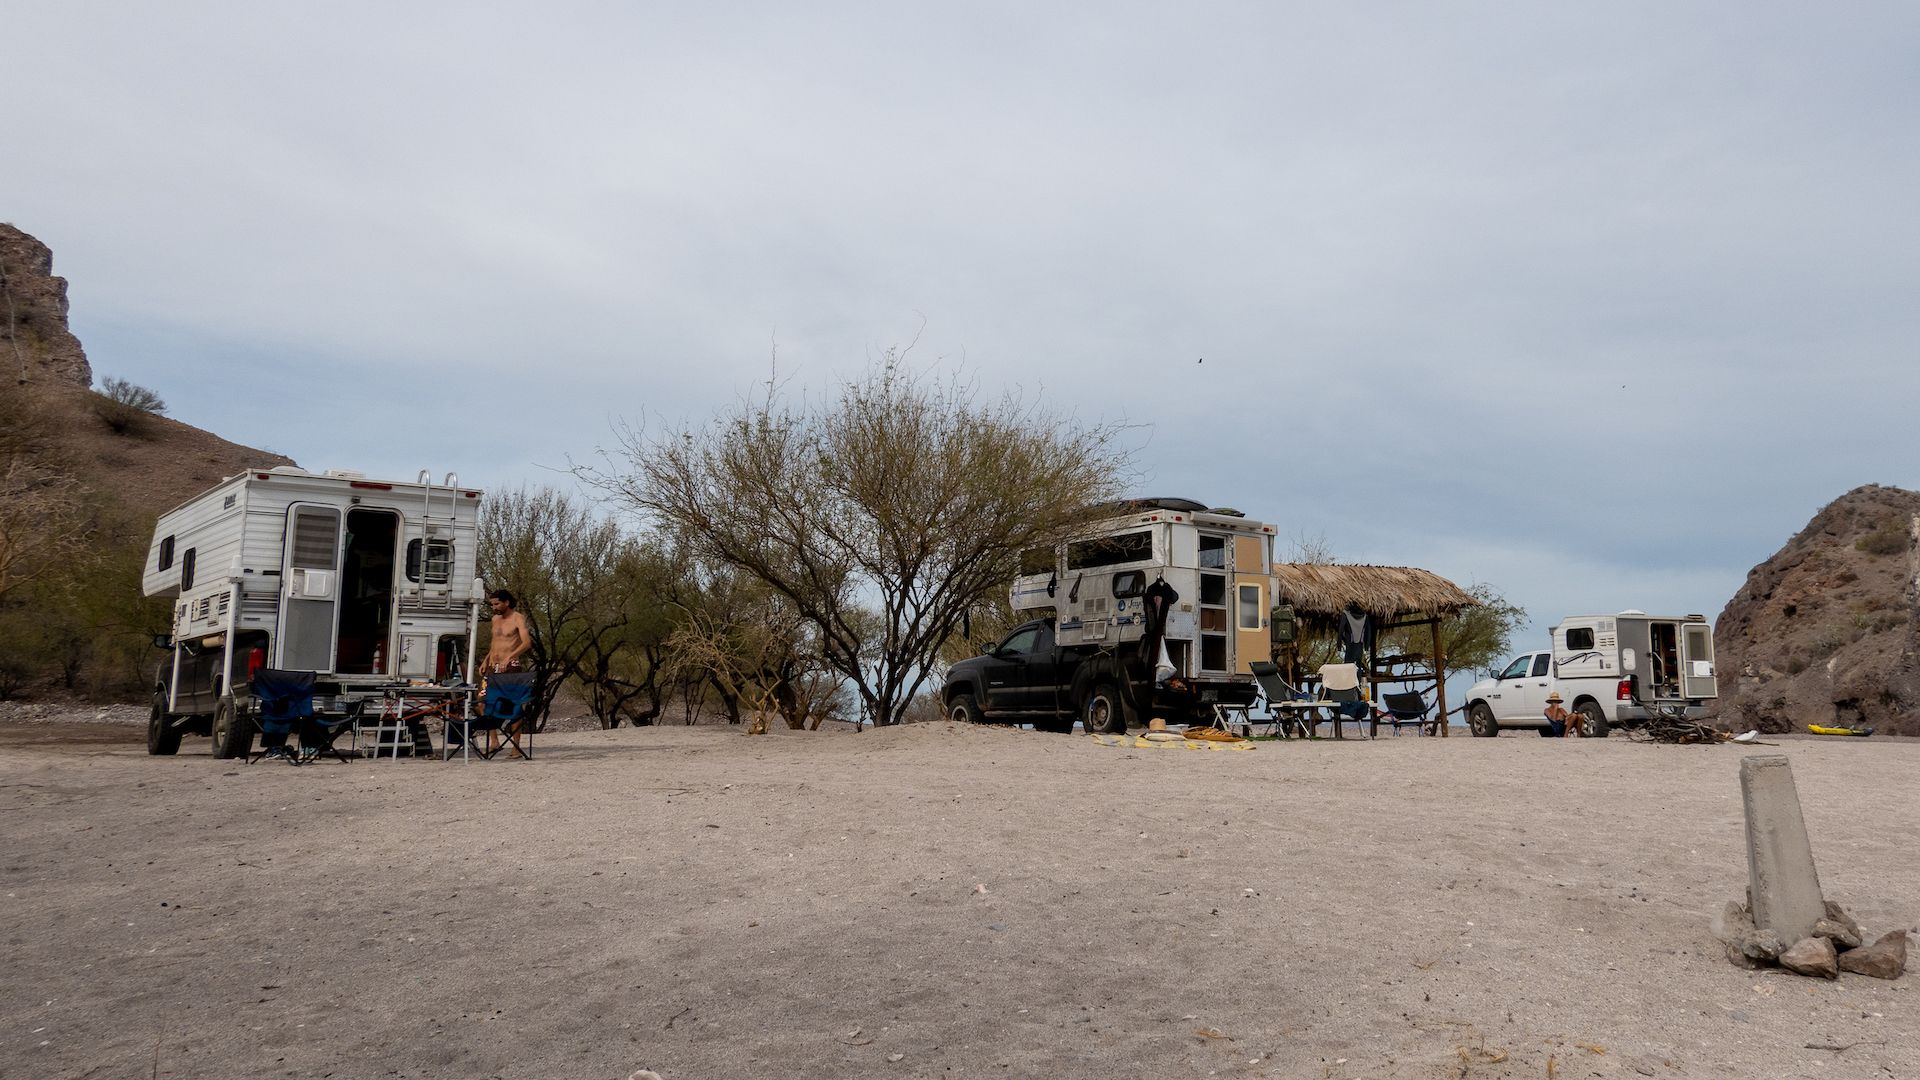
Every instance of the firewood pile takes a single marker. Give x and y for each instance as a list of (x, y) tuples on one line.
[(1669, 724)]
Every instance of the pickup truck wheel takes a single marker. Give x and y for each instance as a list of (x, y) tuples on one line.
[(1480, 721), (1103, 714), (962, 710), (163, 738), (232, 733), (1595, 718)]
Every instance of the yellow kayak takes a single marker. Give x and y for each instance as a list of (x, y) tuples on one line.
[(1818, 730)]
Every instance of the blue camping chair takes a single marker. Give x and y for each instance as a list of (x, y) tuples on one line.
[(282, 699), (283, 704), (505, 707)]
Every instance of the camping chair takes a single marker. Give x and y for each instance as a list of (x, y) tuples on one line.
[(1340, 685), (1408, 708), (504, 708), (281, 700), (1280, 698)]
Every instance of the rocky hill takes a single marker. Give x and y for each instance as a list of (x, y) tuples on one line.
[(1824, 632), (146, 469)]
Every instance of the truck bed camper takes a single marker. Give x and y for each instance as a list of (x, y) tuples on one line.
[(1154, 611), (363, 582)]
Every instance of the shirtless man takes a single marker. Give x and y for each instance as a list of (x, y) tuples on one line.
[(510, 637), (509, 641)]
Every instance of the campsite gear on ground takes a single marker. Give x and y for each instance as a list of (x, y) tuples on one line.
[(1822, 729), (282, 699), (506, 703), (1408, 708), (398, 725), (1746, 736), (1340, 684), (1209, 734)]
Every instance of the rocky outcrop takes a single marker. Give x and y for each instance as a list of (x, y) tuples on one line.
[(1824, 632), (36, 344)]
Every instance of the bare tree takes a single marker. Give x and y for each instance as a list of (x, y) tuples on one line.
[(881, 514)]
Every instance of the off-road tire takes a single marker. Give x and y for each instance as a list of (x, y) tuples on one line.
[(962, 710), (1596, 719), (1480, 721), (163, 739), (232, 732), (1103, 713)]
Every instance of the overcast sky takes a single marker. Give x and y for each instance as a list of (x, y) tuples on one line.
[(1594, 302)]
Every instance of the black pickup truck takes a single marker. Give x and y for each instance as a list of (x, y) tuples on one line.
[(1028, 678)]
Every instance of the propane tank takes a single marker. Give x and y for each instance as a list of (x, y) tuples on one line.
[(379, 658)]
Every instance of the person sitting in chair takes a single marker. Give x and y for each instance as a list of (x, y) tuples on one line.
[(1559, 719), (509, 642)]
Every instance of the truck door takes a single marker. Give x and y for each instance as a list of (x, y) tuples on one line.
[(1530, 695), (309, 588), (1507, 696), (1009, 686), (1696, 658)]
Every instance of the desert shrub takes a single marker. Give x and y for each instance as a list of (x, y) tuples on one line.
[(125, 407), (1889, 539)]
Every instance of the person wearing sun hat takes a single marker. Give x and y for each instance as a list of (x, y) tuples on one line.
[(1558, 717)]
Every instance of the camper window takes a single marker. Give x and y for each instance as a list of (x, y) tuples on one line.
[(1579, 638), (1111, 550), (1213, 552), (186, 570), (1129, 583), (438, 568), (166, 554)]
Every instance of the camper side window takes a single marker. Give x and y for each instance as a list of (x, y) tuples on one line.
[(433, 561), (1111, 550), (186, 570), (1579, 638), (166, 554), (1036, 561)]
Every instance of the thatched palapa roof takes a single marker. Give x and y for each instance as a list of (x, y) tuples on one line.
[(1323, 590)]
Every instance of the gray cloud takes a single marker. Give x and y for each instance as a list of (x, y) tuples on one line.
[(1595, 303)]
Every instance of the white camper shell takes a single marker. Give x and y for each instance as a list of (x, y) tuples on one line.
[(364, 582), (1220, 563)]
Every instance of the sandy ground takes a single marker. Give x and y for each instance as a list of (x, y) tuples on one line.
[(932, 901)]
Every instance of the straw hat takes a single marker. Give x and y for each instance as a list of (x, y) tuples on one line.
[(1157, 724), (1553, 698)]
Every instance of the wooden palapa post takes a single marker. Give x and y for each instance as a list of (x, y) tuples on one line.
[(1440, 674)]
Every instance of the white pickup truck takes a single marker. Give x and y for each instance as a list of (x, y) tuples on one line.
[(1613, 670)]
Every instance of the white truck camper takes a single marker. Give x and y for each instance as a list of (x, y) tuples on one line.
[(1614, 670), (1158, 572), (364, 582)]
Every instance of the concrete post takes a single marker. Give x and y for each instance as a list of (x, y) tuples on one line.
[(1780, 874)]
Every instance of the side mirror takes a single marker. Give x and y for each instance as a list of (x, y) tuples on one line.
[(163, 641), (987, 648)]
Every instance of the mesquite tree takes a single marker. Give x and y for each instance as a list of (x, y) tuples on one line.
[(880, 513)]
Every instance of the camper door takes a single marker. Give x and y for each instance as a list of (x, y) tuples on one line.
[(310, 588), (1696, 661)]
